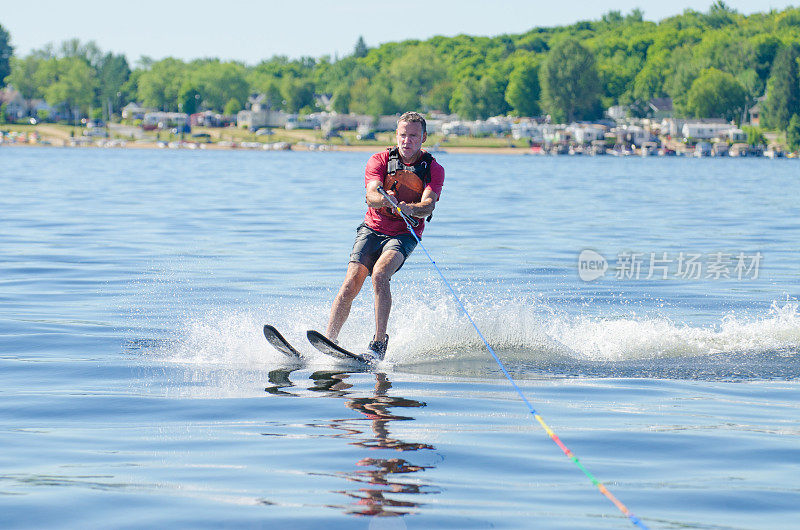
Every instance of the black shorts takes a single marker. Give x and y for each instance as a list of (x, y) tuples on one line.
[(369, 245)]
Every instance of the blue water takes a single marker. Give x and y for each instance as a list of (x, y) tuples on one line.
[(136, 389)]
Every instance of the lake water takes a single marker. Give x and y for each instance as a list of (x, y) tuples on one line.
[(138, 391)]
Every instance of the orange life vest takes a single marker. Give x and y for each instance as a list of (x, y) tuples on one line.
[(407, 182)]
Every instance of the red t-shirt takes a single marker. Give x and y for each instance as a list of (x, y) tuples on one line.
[(391, 225)]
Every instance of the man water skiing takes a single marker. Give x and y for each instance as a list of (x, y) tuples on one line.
[(414, 180)]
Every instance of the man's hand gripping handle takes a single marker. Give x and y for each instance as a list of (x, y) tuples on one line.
[(410, 220)]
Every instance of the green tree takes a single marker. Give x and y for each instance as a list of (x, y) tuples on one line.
[(6, 52), (523, 91), (720, 15), (360, 49), (783, 88), (413, 74), (160, 85), (716, 94), (465, 99), (74, 85), (649, 81), (341, 100), (112, 74), (23, 76), (439, 96), (189, 99), (219, 82), (232, 107), (570, 84), (379, 97), (359, 95), (297, 93), (89, 51), (793, 133), (491, 97), (754, 136), (765, 46)]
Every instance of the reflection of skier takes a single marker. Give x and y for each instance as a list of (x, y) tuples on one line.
[(378, 472)]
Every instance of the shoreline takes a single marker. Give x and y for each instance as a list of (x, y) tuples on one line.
[(111, 144), (56, 138)]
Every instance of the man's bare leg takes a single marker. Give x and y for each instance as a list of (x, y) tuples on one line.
[(340, 309), (384, 268)]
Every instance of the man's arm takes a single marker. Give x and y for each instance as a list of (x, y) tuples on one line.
[(374, 198), (420, 209), (424, 207)]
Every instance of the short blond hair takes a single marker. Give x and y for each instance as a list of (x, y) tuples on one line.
[(414, 117)]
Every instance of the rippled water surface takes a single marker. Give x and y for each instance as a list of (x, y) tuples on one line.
[(138, 391)]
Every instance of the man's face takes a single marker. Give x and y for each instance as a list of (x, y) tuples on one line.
[(409, 139)]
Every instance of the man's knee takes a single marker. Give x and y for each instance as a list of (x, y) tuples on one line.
[(380, 278), (353, 282), (384, 270)]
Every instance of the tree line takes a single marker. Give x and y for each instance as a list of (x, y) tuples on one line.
[(712, 64)]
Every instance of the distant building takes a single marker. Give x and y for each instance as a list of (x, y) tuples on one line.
[(754, 112), (586, 134), (617, 112), (166, 120), (632, 135), (455, 128), (208, 118), (660, 108), (253, 119), (260, 115), (16, 108), (39, 108), (134, 111), (324, 101), (706, 129), (493, 125), (527, 129)]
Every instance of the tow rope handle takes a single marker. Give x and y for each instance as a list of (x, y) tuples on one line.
[(410, 220)]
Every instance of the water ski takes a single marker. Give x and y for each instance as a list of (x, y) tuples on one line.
[(321, 342), (282, 345)]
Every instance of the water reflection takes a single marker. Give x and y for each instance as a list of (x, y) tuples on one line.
[(383, 482)]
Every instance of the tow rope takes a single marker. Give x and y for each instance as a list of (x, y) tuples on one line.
[(553, 436)]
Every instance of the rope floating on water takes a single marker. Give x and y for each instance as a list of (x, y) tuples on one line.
[(600, 486)]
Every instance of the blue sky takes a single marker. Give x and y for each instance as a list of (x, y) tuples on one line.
[(252, 30)]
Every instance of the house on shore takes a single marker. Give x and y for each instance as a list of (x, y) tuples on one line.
[(260, 114), (15, 105), (134, 111), (583, 133), (166, 120), (754, 112), (660, 108), (706, 129)]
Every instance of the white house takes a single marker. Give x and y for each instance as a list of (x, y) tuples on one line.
[(455, 128), (633, 134), (165, 120), (706, 129), (134, 111), (585, 134), (527, 129), (262, 117), (617, 112)]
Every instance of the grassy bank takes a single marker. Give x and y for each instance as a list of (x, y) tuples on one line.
[(60, 134)]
